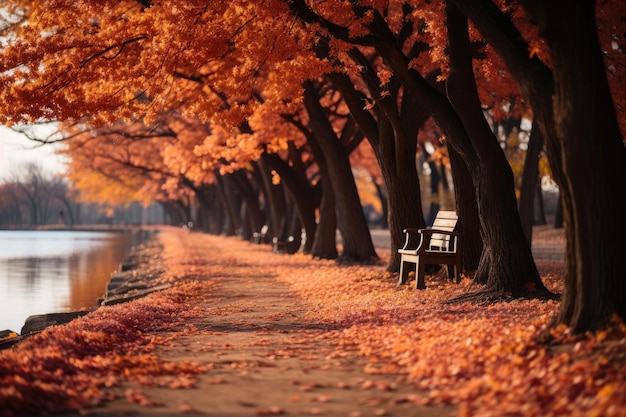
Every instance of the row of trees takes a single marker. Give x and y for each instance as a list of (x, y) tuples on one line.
[(32, 197), (201, 97)]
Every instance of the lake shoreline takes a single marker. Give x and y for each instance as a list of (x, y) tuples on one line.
[(131, 280), (46, 271)]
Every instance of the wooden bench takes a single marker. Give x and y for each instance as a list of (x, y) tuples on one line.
[(440, 244), (260, 237), (291, 246)]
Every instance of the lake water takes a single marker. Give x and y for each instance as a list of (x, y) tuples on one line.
[(56, 271)]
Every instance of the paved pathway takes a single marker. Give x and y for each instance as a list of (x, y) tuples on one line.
[(265, 355)]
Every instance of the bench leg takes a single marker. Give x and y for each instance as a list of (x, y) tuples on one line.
[(451, 271), (457, 269), (420, 271), (454, 271), (404, 272)]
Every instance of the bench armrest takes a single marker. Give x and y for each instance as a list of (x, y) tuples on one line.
[(411, 238), (416, 238)]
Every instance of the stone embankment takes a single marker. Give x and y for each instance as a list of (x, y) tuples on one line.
[(133, 279)]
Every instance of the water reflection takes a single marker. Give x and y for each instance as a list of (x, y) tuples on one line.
[(51, 271)]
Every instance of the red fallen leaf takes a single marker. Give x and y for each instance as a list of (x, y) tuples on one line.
[(310, 387), (272, 411), (187, 409), (367, 384), (217, 381), (371, 402), (138, 397), (322, 398)]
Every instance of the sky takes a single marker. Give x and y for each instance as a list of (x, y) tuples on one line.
[(16, 149)]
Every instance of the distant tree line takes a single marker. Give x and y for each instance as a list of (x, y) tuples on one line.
[(32, 197)]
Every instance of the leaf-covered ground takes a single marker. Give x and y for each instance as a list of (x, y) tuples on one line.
[(248, 332)]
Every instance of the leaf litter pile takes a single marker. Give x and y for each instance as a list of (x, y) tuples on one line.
[(484, 359)]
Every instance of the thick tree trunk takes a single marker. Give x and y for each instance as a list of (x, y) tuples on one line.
[(393, 138), (558, 215), (594, 164), (203, 221), (405, 204), (325, 242), (533, 77), (384, 202), (530, 180), (233, 203), (240, 181), (217, 210), (301, 191), (539, 216), (467, 210), (356, 238), (507, 264), (585, 149), (231, 206)]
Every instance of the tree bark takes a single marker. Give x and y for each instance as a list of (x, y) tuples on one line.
[(275, 201), (530, 180), (325, 242), (356, 238), (394, 144), (507, 263), (301, 192), (585, 149), (593, 160), (467, 210)]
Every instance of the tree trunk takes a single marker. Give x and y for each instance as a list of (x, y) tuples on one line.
[(356, 238), (585, 149), (403, 190), (231, 206), (507, 265), (530, 180), (594, 164), (324, 245), (239, 180), (394, 141), (325, 242), (384, 202), (301, 192), (275, 201), (218, 207), (558, 215), (467, 210)]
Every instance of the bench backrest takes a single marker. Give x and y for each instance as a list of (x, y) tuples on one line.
[(445, 220)]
